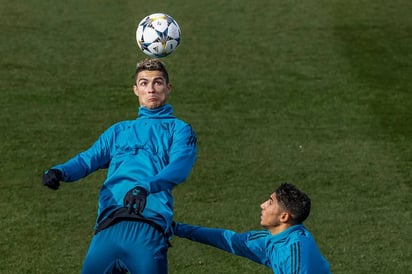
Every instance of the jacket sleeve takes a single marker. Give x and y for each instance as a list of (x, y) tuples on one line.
[(92, 159), (182, 157), (250, 244)]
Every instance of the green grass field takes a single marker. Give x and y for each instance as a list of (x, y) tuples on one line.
[(313, 92)]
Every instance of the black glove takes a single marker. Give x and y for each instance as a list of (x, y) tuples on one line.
[(52, 178), (135, 200)]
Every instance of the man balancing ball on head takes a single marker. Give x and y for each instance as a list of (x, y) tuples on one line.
[(145, 159)]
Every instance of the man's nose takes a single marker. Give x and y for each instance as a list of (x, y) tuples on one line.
[(150, 88)]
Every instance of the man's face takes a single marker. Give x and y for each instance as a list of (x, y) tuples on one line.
[(152, 89), (272, 213)]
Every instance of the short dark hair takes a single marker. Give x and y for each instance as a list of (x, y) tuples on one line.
[(152, 65), (294, 201)]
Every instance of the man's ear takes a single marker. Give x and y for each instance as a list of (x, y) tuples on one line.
[(285, 217), (136, 92), (169, 88)]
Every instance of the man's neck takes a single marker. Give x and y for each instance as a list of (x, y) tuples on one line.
[(278, 229)]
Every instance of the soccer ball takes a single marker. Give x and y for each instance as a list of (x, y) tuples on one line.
[(158, 35)]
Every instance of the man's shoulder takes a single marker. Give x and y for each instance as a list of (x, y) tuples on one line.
[(291, 235), (122, 124), (258, 234)]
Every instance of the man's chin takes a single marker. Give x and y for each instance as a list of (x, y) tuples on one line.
[(152, 105)]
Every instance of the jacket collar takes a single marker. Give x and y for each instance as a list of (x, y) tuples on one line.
[(165, 111)]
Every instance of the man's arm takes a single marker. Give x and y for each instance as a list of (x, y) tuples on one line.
[(96, 157), (181, 161), (250, 244)]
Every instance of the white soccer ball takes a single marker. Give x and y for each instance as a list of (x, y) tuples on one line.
[(158, 35)]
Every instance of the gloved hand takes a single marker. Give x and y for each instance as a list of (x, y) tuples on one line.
[(52, 178), (135, 200)]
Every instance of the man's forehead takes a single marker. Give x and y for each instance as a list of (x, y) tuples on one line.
[(273, 196), (150, 74)]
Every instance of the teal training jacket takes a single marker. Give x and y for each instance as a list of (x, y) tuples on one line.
[(293, 251), (156, 151)]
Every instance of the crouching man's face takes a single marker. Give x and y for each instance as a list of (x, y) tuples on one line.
[(273, 214)]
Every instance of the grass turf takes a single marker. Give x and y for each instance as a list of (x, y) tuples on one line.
[(316, 93)]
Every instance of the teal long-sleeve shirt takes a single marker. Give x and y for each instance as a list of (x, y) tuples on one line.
[(293, 251), (156, 151)]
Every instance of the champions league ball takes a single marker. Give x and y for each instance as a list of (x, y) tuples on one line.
[(158, 35)]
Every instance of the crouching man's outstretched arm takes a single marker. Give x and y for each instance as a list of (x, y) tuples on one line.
[(247, 244)]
